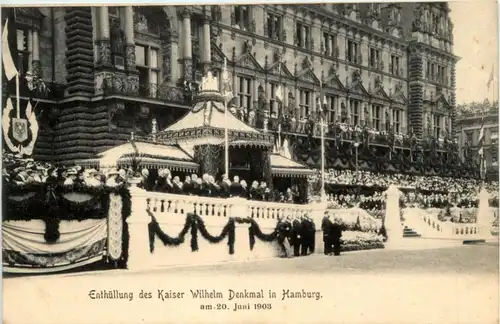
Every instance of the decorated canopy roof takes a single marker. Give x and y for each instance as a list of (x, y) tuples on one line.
[(285, 167), (205, 123), (146, 155)]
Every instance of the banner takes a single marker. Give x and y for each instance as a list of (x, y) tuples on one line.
[(25, 248)]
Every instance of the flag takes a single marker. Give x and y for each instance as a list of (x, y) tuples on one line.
[(480, 141), (9, 66), (279, 93), (491, 78)]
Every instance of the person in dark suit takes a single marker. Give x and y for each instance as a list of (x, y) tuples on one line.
[(160, 182), (254, 191), (205, 186), (187, 187), (225, 186), (312, 234), (284, 232), (308, 233), (304, 233), (214, 188), (336, 233), (195, 185), (177, 186), (244, 189), (326, 227), (296, 236), (235, 189)]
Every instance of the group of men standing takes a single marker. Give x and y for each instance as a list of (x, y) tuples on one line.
[(332, 235), (300, 233)]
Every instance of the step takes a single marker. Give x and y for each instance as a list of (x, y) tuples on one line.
[(469, 242)]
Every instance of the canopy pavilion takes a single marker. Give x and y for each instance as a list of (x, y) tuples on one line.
[(196, 142)]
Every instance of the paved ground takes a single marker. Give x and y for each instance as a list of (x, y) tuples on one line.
[(446, 285)]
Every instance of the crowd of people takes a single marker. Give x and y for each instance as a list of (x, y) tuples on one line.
[(300, 233), (428, 183), (208, 186)]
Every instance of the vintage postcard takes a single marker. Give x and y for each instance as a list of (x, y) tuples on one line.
[(250, 163)]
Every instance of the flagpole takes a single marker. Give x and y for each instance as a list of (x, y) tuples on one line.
[(280, 109), (323, 193), (226, 136), (18, 100)]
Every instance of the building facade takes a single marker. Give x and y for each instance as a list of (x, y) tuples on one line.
[(389, 68), (469, 123)]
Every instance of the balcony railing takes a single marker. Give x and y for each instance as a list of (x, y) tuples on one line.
[(115, 85)]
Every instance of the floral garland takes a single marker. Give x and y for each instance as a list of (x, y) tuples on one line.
[(196, 224)]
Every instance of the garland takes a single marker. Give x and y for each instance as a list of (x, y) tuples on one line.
[(196, 224)]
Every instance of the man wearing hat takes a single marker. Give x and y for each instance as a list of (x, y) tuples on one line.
[(225, 186), (297, 236), (336, 233), (326, 227), (187, 187)]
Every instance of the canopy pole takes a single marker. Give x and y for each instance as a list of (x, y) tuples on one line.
[(226, 141)]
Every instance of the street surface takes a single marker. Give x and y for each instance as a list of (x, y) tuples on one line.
[(446, 285)]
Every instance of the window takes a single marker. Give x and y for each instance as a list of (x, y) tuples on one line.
[(354, 105), (437, 126), (329, 44), (148, 67), (273, 103), (305, 102), (376, 116), (23, 53), (394, 65), (245, 93), (396, 120), (303, 35), (428, 71), (433, 72), (469, 136), (374, 58), (242, 17), (273, 26), (352, 51), (331, 104)]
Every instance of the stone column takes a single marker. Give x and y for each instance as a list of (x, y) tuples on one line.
[(207, 56), (297, 101), (330, 44), (30, 50), (303, 33), (36, 54), (103, 42), (174, 57), (130, 39), (382, 118), (187, 57)]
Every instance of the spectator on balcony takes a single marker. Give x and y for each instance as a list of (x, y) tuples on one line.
[(264, 191), (225, 185), (196, 189), (205, 186), (214, 187), (177, 186), (161, 181), (235, 187), (187, 187), (289, 196), (254, 191), (244, 189)]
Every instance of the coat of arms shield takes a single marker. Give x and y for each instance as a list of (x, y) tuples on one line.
[(20, 129)]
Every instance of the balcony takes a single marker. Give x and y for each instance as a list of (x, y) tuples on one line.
[(50, 91), (117, 85)]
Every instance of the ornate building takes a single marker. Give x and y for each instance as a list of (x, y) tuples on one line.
[(470, 118), (387, 72)]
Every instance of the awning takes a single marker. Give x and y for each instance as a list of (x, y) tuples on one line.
[(285, 167), (252, 143), (145, 155)]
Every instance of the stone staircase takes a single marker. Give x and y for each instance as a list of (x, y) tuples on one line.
[(409, 233)]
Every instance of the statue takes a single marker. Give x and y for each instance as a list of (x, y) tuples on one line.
[(117, 40), (247, 47)]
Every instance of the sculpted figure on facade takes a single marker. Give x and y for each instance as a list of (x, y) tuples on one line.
[(117, 39)]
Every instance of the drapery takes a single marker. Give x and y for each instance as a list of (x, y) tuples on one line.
[(24, 244)]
